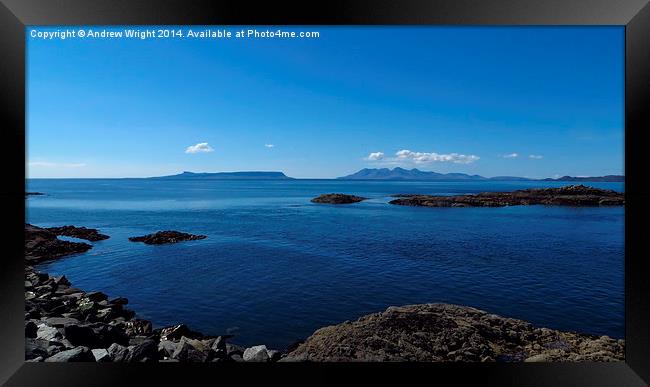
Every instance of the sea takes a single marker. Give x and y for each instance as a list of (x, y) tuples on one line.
[(275, 267)]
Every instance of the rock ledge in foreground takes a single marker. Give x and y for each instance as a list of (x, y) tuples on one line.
[(443, 332), (162, 237), (572, 195), (337, 198)]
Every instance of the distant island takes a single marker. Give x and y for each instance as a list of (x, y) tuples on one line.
[(416, 174), (252, 175)]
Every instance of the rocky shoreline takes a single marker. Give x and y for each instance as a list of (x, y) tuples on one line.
[(444, 332), (572, 195), (67, 324)]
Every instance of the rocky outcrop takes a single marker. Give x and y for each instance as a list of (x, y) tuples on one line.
[(42, 244), (89, 234), (67, 324), (337, 198), (162, 237), (63, 324), (34, 194), (443, 332), (573, 195)]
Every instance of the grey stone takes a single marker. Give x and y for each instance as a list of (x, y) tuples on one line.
[(101, 355), (61, 322), (72, 355), (257, 353), (46, 332), (118, 353)]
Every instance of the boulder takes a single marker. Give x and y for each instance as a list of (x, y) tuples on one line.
[(118, 353), (137, 327), (166, 349), (81, 335), (35, 348), (186, 352), (72, 355), (147, 351), (60, 322), (257, 353), (101, 355), (46, 332)]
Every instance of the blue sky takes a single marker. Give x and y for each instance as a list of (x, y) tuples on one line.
[(519, 101)]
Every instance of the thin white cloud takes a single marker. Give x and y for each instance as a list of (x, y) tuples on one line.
[(431, 157), (47, 164), (510, 156), (536, 157), (269, 145), (375, 156), (201, 147)]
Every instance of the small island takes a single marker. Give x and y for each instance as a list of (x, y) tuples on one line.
[(337, 198), (163, 237), (572, 195)]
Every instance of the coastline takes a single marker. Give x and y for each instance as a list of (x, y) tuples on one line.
[(63, 323)]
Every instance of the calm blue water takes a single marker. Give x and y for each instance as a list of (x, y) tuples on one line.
[(275, 267)]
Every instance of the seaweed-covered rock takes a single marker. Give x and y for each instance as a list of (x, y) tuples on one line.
[(162, 237), (443, 332), (337, 198), (572, 195)]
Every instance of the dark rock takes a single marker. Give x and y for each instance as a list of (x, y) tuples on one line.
[(166, 348), (177, 331), (233, 349), (336, 198), (96, 296), (219, 347), (35, 348), (186, 352), (60, 280), (138, 327), (60, 322), (81, 335), (101, 355), (118, 301), (72, 355), (162, 237), (147, 351), (573, 195), (33, 194), (42, 245), (274, 355), (118, 353), (89, 234), (108, 334), (443, 332)]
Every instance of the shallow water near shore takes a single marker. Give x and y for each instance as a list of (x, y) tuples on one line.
[(275, 267)]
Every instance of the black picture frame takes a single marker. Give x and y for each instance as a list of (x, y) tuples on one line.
[(15, 15)]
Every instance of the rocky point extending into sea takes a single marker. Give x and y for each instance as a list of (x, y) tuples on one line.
[(65, 324), (572, 195)]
